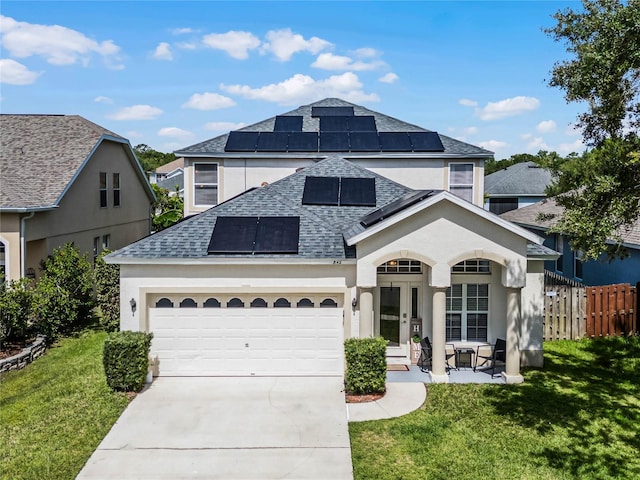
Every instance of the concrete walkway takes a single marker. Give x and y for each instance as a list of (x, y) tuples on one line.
[(229, 428), (400, 399)]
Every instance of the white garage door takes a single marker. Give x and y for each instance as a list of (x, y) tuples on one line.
[(247, 341)]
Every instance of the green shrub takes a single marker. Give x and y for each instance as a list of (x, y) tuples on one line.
[(126, 359), (107, 277), (64, 294), (366, 365), (16, 302)]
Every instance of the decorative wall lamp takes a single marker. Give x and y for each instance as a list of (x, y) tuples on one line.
[(354, 303), (132, 302)]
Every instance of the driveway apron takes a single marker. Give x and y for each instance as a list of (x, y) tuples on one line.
[(229, 428)]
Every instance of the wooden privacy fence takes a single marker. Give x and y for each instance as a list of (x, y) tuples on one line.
[(574, 312)]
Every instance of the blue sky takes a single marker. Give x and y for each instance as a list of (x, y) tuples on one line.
[(171, 74)]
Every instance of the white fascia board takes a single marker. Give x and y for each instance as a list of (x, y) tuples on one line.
[(345, 155), (439, 197), (45, 208), (227, 261)]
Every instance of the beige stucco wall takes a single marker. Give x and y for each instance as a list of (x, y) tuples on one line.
[(10, 237), (145, 282), (442, 236), (79, 217), (236, 175)]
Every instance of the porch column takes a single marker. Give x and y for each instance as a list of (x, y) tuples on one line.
[(438, 371), (512, 368), (366, 312)]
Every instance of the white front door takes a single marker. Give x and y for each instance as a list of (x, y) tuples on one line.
[(393, 312)]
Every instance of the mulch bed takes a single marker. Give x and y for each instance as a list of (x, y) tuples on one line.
[(353, 398), (9, 349)]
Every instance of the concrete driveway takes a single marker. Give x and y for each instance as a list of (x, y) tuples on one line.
[(229, 428)]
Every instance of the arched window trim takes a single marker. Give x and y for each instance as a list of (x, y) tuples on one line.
[(188, 303), (305, 303), (258, 302), (211, 303), (164, 302)]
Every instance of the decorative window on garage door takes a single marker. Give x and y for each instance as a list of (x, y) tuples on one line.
[(248, 301)]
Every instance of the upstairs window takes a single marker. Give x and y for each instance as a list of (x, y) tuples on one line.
[(103, 189), (205, 182), (116, 189), (461, 180)]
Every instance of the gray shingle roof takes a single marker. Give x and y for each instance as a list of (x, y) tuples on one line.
[(40, 154), (526, 178), (384, 123), (320, 226), (172, 182), (528, 217)]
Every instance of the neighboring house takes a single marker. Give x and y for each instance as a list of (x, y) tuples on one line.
[(272, 281), (225, 166), (170, 176), (65, 179), (570, 264), (516, 186)]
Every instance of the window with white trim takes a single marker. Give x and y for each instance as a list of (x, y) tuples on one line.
[(577, 264), (401, 266), (467, 312), (205, 183), (472, 266), (461, 180), (116, 189)]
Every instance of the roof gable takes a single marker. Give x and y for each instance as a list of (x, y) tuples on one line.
[(41, 155), (384, 123)]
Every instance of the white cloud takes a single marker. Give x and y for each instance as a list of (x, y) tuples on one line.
[(470, 130), (508, 107), (182, 31), (174, 132), (366, 52), (575, 146), (526, 136), (15, 73), (572, 130), (236, 43), (223, 126), (208, 101), (284, 43), (493, 145), (136, 112), (302, 88), (186, 45), (546, 126), (58, 45), (537, 143), (389, 78), (163, 52), (329, 61), (103, 99), (468, 103)]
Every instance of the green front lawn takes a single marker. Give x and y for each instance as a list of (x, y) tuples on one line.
[(54, 413), (578, 418)]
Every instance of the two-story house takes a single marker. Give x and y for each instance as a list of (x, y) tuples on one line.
[(329, 222), (65, 179)]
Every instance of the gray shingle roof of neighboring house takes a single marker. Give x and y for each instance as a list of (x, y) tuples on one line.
[(384, 123), (521, 179), (171, 166), (40, 155), (172, 182), (320, 226), (528, 217)]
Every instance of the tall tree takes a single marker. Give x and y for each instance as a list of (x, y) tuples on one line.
[(151, 159), (600, 191)]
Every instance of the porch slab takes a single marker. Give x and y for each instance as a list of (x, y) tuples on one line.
[(455, 376)]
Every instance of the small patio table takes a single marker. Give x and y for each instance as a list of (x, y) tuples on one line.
[(464, 357)]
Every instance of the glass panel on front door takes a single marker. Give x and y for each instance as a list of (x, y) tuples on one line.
[(390, 315)]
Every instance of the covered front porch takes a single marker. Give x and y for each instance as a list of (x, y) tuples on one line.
[(455, 273)]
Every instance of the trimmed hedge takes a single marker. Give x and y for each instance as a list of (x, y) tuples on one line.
[(366, 365), (126, 360)]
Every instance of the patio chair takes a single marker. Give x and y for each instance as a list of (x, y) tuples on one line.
[(490, 362), (450, 357), (424, 362)]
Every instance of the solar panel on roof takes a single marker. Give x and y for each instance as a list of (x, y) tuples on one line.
[(357, 192), (303, 142), (321, 191), (364, 142), (395, 142), (233, 235), (335, 111), (426, 142), (362, 123), (334, 124), (277, 235), (394, 207), (240, 141), (285, 123), (272, 142), (334, 142)]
